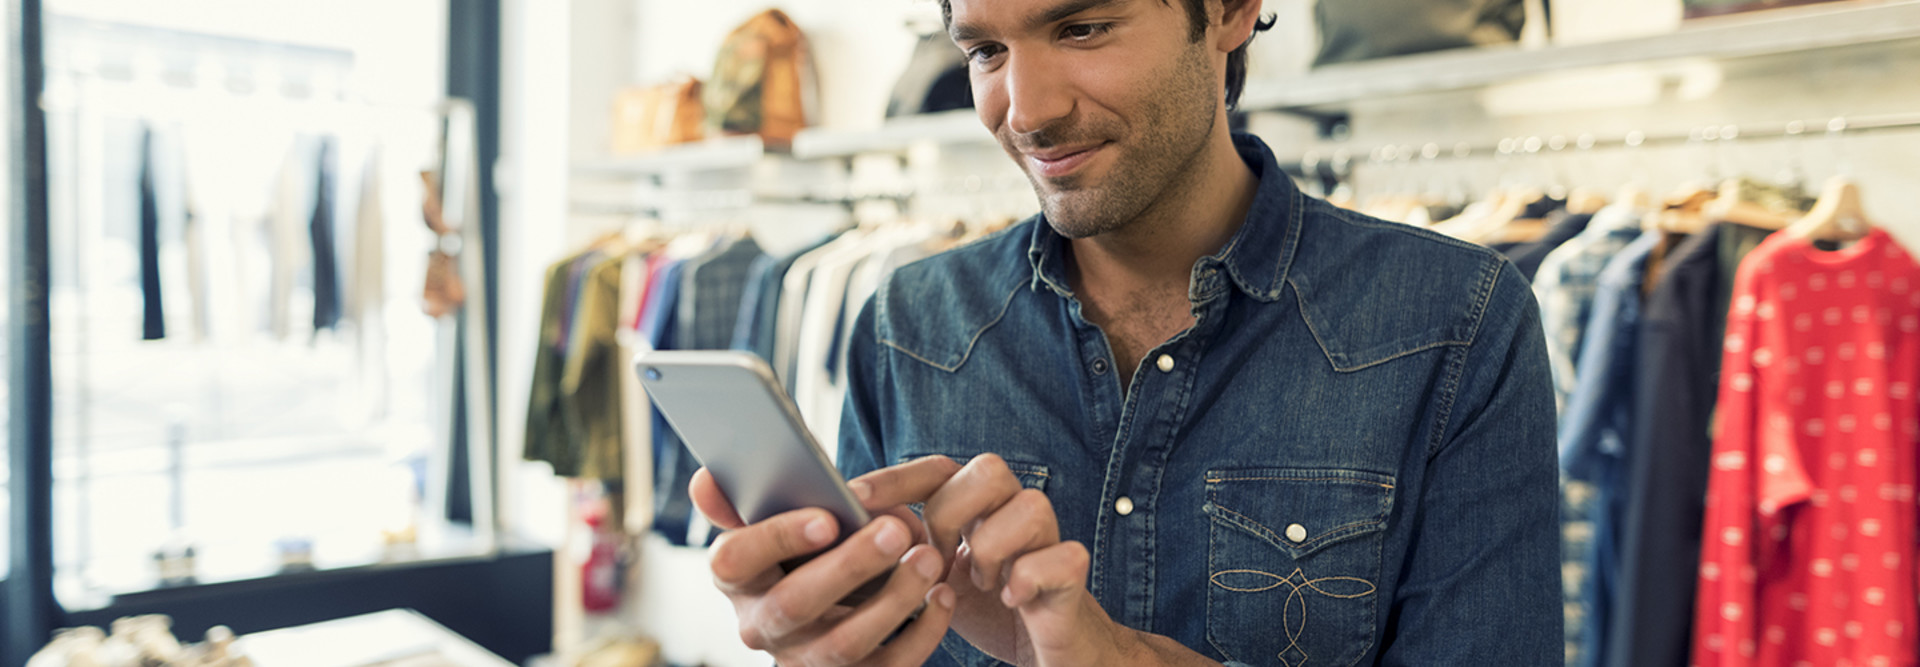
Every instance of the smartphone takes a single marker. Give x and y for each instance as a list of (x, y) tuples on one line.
[(738, 421)]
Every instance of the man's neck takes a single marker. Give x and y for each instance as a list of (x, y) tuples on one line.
[(1157, 251)]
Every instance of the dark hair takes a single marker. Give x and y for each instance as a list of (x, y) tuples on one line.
[(1197, 30)]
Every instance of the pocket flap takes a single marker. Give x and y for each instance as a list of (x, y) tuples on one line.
[(1300, 511)]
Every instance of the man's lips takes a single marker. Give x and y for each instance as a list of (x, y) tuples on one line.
[(1057, 162)]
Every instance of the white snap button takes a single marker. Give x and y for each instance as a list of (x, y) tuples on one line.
[(1124, 505), (1166, 363), (1297, 533)]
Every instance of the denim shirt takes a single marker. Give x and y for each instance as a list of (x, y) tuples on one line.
[(1347, 459)]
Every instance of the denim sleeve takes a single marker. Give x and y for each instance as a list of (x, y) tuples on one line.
[(1486, 540), (861, 448)]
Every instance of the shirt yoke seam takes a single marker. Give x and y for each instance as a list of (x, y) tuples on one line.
[(1005, 305), (1456, 367)]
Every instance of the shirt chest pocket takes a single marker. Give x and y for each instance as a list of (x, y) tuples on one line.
[(1293, 563)]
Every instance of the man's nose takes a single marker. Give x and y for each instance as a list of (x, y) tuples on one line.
[(1037, 92)]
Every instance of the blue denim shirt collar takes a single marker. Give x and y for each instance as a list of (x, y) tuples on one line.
[(1257, 258)]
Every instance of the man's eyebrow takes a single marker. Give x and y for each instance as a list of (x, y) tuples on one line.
[(1067, 10), (963, 32)]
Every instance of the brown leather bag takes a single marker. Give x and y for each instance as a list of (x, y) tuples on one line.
[(762, 81), (656, 116), (444, 291)]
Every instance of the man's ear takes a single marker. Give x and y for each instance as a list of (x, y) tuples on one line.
[(1234, 21)]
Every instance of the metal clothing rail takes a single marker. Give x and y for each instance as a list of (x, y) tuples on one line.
[(737, 198), (1341, 161)]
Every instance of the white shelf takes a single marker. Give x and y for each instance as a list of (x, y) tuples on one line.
[(896, 136), (1771, 32), (713, 154)]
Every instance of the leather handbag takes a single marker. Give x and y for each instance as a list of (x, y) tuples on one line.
[(444, 291), (1353, 30), (653, 117)]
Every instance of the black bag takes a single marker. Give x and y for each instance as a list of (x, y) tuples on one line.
[(1353, 30), (935, 80)]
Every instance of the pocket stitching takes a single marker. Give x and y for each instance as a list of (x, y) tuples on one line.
[(1306, 548), (1227, 518)]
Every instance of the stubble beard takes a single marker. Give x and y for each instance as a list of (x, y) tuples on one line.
[(1174, 124)]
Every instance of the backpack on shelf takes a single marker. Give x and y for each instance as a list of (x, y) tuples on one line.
[(762, 81)]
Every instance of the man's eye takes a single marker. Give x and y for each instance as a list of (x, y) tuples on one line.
[(1086, 31), (981, 54)]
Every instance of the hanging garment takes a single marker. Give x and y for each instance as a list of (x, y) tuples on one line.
[(1566, 283), (1528, 256), (636, 419), (326, 256), (547, 438), (1596, 424), (199, 292), (290, 255), (368, 294), (1676, 377), (764, 338), (826, 299), (709, 290), (747, 321), (710, 294), (797, 295), (653, 263), (672, 509), (1565, 288), (153, 315), (793, 302), (1808, 551), (590, 400)]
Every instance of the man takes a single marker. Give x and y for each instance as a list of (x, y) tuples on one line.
[(1202, 417)]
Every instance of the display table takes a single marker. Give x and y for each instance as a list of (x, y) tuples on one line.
[(391, 638)]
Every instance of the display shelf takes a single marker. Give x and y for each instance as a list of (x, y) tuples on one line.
[(1773, 32), (737, 152), (896, 136)]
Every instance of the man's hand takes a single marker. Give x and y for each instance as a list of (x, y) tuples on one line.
[(794, 616), (1022, 594)]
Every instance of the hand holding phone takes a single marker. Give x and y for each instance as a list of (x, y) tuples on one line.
[(733, 416)]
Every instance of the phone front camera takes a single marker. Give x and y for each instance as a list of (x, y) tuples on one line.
[(653, 374)]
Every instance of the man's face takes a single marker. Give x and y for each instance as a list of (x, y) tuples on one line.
[(1105, 104)]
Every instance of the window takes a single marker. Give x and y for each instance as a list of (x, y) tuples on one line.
[(245, 383)]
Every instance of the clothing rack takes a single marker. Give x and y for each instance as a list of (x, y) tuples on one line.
[(1340, 163), (739, 198)]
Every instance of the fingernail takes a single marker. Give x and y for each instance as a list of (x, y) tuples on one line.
[(1006, 596), (860, 489), (979, 578), (943, 596), (819, 531), (892, 538), (929, 565)]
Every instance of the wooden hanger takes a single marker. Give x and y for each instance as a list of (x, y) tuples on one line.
[(1837, 216), (1586, 200), (1682, 213), (1634, 196), (1730, 206)]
